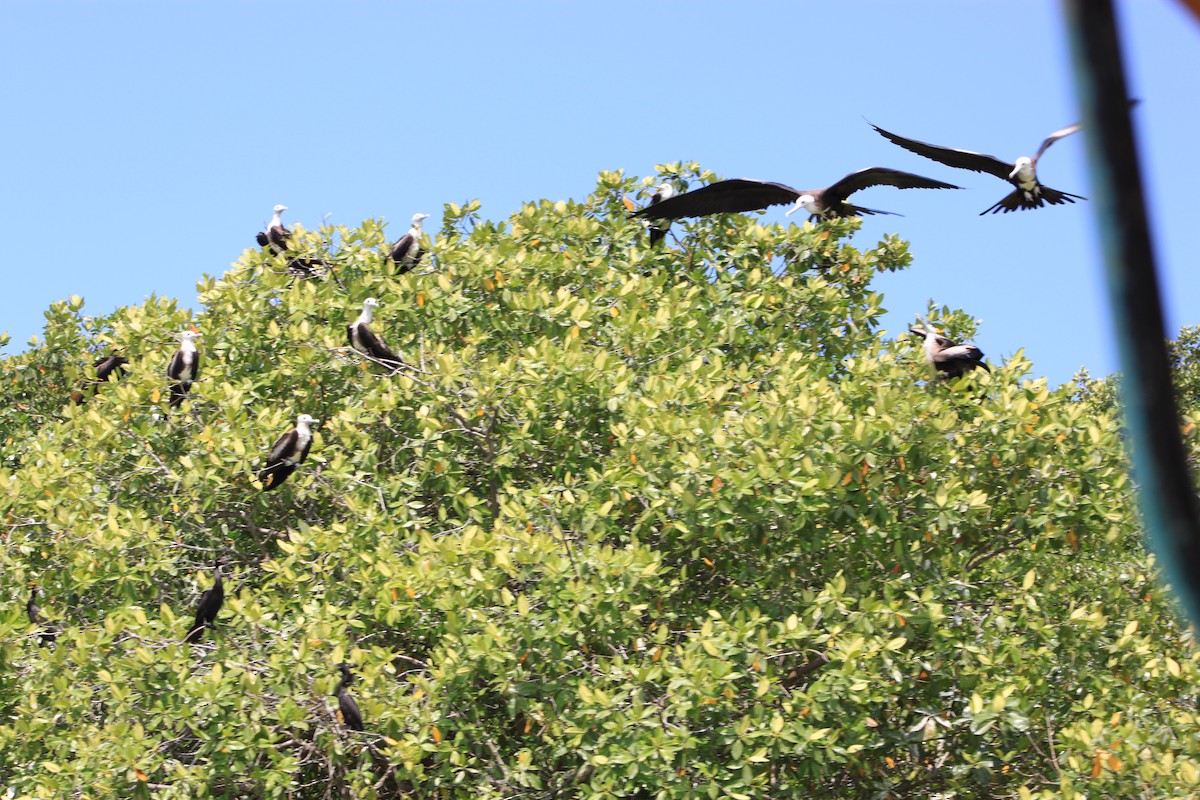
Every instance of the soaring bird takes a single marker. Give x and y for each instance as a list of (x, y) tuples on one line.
[(45, 634), (406, 252), (106, 366), (664, 191), (276, 235), (210, 603), (950, 359), (365, 341), (290, 450), (351, 716), (744, 194), (184, 367), (1022, 173)]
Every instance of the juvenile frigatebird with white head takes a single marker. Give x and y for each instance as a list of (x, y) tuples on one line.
[(743, 194), (290, 450), (276, 235), (1029, 192), (365, 340), (406, 252), (184, 367), (949, 358)]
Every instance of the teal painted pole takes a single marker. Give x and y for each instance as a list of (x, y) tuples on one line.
[(1169, 507)]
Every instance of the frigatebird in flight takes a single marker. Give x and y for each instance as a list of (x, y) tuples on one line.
[(1022, 173), (743, 194)]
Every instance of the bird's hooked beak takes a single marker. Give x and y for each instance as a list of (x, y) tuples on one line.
[(803, 203)]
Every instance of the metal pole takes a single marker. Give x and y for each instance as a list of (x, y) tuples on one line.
[(1168, 503)]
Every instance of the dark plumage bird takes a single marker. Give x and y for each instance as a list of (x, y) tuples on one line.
[(365, 341), (1022, 173), (106, 366), (210, 603), (290, 450), (45, 634), (406, 252), (950, 359), (664, 191), (351, 716), (276, 235), (743, 194), (184, 367)]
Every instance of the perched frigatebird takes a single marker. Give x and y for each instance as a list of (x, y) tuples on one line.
[(1022, 173), (290, 450), (949, 358), (184, 368), (743, 194), (276, 235), (351, 716), (106, 366), (406, 252), (365, 341), (210, 604)]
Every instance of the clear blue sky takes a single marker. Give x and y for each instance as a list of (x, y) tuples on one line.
[(144, 143)]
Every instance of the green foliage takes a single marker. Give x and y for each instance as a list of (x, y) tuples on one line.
[(664, 523)]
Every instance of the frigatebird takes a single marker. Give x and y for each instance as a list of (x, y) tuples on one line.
[(949, 358), (290, 450), (1022, 173), (351, 716), (365, 340), (276, 235), (744, 194), (184, 368), (210, 604), (106, 366), (406, 252), (664, 191)]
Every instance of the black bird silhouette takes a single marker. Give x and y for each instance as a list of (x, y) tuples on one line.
[(351, 716), (113, 365), (210, 603), (743, 194)]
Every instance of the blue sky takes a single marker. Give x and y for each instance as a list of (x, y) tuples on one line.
[(145, 143)]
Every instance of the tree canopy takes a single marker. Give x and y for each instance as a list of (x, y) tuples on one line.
[(627, 522)]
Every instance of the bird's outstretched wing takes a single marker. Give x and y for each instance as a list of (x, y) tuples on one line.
[(723, 197), (879, 176), (950, 156), (1054, 137)]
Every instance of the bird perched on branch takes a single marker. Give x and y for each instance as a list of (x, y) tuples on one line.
[(210, 603), (950, 359), (365, 340), (406, 252), (290, 450), (184, 368), (351, 716), (106, 366)]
